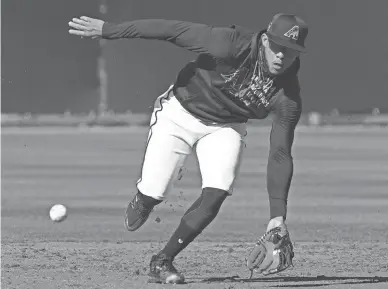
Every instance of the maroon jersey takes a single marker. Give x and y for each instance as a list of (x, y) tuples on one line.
[(228, 83), (224, 83)]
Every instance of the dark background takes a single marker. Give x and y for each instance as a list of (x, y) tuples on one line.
[(45, 70)]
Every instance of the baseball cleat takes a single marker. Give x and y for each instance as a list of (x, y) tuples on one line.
[(137, 214), (163, 271)]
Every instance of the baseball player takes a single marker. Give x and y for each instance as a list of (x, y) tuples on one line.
[(238, 75)]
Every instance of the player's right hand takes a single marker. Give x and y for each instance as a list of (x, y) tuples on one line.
[(86, 27)]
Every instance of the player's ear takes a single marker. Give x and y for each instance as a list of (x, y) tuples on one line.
[(264, 39)]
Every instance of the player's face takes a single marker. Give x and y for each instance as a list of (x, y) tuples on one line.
[(279, 58)]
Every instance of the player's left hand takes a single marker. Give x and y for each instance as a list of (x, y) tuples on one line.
[(272, 254), (86, 27)]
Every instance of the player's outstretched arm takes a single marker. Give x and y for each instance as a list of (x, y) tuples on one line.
[(196, 37), (280, 161), (86, 27)]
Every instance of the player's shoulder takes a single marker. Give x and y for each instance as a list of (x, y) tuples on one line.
[(236, 33), (239, 38), (241, 30)]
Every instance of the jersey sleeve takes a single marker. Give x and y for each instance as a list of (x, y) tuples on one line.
[(199, 38), (280, 162)]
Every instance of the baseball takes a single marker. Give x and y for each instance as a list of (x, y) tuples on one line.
[(58, 213)]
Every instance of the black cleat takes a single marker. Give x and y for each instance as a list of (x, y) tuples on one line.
[(163, 271), (137, 214)]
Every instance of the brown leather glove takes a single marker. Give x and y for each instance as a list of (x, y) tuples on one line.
[(273, 253)]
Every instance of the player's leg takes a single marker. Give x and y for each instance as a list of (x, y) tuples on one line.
[(167, 148), (219, 155), (196, 218)]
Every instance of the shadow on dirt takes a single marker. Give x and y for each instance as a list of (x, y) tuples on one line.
[(308, 281)]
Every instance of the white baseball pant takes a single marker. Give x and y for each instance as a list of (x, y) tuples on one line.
[(173, 135)]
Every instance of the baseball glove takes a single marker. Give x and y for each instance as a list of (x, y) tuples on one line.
[(272, 254)]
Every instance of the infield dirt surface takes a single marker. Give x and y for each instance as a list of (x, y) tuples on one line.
[(338, 212)]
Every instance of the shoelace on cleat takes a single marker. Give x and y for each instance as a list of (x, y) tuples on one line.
[(139, 207)]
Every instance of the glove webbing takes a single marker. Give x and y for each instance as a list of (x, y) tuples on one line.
[(261, 240)]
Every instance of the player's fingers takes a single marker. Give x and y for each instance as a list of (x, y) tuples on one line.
[(85, 18), (77, 32), (76, 25), (80, 21)]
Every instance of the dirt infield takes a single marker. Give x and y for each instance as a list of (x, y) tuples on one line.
[(338, 212)]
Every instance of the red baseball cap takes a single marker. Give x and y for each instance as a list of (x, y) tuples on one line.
[(288, 30)]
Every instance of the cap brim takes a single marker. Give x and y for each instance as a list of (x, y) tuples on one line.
[(286, 43)]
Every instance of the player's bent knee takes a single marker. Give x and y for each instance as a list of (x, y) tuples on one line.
[(214, 191), (225, 184), (207, 209), (213, 198)]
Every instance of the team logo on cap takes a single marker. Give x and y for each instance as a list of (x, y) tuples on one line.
[(293, 33)]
